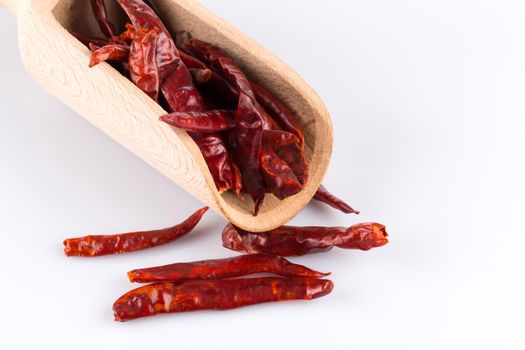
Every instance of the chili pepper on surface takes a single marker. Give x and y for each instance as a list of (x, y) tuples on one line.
[(96, 245), (99, 9), (322, 195), (143, 63), (168, 297), (294, 240), (203, 122), (111, 52), (237, 266)]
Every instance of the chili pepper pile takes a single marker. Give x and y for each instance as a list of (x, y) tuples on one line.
[(252, 143)]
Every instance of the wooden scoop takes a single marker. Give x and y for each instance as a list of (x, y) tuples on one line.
[(59, 62)]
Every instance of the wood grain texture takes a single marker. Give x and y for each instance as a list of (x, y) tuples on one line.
[(112, 103)]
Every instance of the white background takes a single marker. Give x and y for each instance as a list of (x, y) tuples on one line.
[(427, 100)]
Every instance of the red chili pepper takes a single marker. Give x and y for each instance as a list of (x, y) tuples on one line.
[(248, 118), (144, 18), (143, 63), (326, 197), (168, 297), (203, 122), (223, 268), (190, 61), (277, 138), (111, 52), (237, 181), (99, 8), (178, 90), (284, 117), (292, 240), (294, 157), (96, 245), (278, 176)]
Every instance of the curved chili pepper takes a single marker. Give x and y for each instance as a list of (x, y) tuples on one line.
[(326, 197), (96, 245), (168, 297), (99, 8), (223, 268), (203, 122), (278, 176), (275, 138), (200, 76), (111, 52), (294, 157), (284, 117), (144, 18), (143, 63), (237, 181), (292, 240), (248, 117)]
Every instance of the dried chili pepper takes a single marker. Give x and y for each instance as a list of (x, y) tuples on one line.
[(168, 297), (203, 122), (248, 118), (96, 245), (326, 197), (99, 8), (143, 63), (223, 268), (284, 117), (292, 240), (178, 90), (145, 19), (112, 52), (294, 157), (276, 138), (278, 176)]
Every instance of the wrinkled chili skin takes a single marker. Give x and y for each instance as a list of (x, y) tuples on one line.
[(280, 112), (322, 195), (111, 52), (295, 241), (144, 18), (278, 176), (294, 157), (275, 138), (99, 8), (96, 245), (223, 268), (204, 122), (248, 117), (143, 63), (168, 297)]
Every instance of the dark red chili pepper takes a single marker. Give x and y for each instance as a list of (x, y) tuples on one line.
[(282, 114), (248, 118), (277, 138), (168, 297), (278, 176), (99, 8), (223, 268), (237, 181), (326, 197), (294, 157), (190, 61), (145, 19), (111, 52), (203, 122), (291, 240), (200, 76), (143, 63), (96, 245)]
